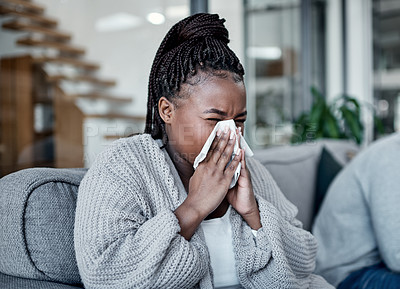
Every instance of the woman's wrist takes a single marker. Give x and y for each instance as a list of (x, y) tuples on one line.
[(253, 219), (189, 219)]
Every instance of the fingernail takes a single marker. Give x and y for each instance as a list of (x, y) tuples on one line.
[(218, 132), (232, 135), (238, 154)]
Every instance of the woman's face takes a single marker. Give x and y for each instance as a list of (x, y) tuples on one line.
[(193, 118)]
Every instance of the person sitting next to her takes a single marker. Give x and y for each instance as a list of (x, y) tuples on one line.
[(358, 226), (146, 219)]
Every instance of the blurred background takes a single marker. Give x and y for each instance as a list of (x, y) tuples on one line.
[(74, 73)]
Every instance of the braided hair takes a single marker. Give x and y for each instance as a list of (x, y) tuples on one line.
[(196, 43)]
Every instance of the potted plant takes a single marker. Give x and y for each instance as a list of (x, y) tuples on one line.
[(340, 119)]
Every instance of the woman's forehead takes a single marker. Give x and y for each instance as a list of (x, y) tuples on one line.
[(216, 93), (203, 75)]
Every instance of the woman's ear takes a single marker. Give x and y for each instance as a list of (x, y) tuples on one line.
[(165, 109)]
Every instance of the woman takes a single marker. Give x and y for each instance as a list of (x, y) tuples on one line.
[(143, 212)]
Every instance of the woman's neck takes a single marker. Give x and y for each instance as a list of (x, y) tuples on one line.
[(183, 166)]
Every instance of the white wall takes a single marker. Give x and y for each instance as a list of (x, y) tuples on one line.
[(359, 58), (233, 14), (359, 55), (334, 55)]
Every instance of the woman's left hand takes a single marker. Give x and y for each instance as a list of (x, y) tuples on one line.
[(242, 198)]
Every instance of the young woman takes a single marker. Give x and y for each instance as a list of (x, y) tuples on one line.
[(146, 219)]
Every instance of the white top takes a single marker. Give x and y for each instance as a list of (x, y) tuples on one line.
[(218, 235)]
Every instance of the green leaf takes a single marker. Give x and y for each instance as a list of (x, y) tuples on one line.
[(331, 127), (339, 119), (352, 123)]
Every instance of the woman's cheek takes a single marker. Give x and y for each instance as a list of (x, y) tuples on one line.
[(202, 138)]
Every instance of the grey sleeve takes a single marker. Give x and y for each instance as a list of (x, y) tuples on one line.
[(383, 192), (291, 250), (118, 246)]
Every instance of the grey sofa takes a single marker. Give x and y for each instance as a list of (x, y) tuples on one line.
[(37, 209)]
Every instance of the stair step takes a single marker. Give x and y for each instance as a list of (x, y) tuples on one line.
[(101, 96), (25, 5), (81, 78), (116, 116), (21, 26), (112, 137), (51, 44), (43, 20), (70, 61)]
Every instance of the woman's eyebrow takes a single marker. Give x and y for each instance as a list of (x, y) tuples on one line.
[(217, 111), (241, 114), (223, 113)]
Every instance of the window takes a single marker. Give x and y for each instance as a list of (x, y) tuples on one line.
[(386, 63), (284, 52)]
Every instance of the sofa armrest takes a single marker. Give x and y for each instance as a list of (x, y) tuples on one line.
[(12, 282), (37, 213)]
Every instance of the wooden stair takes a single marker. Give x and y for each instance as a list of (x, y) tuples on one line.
[(81, 78), (113, 137), (39, 19), (69, 61), (42, 32), (95, 96), (62, 47), (23, 5), (49, 32), (116, 116)]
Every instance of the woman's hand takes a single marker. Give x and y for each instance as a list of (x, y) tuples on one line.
[(209, 184), (242, 198)]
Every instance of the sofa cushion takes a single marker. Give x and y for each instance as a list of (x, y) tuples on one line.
[(295, 167), (36, 221)]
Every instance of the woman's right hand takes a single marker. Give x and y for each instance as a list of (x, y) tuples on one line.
[(209, 184)]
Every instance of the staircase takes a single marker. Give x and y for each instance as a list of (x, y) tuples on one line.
[(69, 69)]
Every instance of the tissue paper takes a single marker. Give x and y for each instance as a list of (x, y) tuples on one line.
[(221, 125)]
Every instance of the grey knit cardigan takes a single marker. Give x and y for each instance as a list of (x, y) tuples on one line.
[(127, 236)]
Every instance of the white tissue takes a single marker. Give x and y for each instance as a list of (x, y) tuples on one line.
[(221, 125)]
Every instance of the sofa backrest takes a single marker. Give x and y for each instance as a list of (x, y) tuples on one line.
[(294, 168), (36, 224)]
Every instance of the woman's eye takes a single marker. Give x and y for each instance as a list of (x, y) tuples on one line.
[(240, 121), (213, 119)]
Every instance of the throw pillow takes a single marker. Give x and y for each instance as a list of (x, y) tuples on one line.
[(328, 168)]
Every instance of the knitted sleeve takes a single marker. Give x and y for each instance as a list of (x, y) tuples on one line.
[(283, 254), (120, 246)]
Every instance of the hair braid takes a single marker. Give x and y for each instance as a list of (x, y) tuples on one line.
[(198, 42)]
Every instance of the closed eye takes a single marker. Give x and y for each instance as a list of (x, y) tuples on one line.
[(214, 119), (240, 120)]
